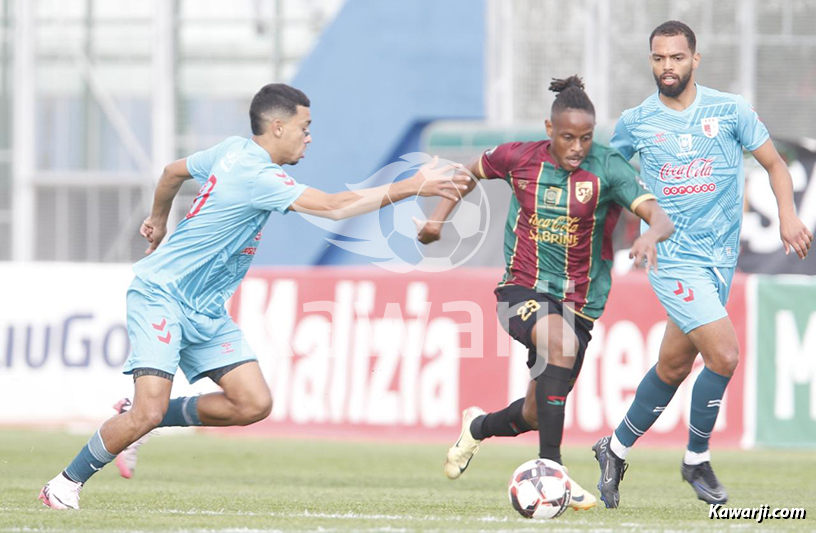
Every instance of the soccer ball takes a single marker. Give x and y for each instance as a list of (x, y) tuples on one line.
[(540, 489)]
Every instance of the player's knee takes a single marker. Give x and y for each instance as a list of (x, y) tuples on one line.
[(674, 373), (256, 408), (147, 418), (556, 356), (727, 362), (265, 408)]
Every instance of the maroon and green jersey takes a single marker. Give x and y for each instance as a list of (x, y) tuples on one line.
[(558, 233)]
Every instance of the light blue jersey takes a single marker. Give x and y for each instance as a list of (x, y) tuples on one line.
[(692, 162), (204, 260)]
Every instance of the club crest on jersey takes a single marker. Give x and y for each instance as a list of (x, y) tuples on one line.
[(711, 127), (583, 191)]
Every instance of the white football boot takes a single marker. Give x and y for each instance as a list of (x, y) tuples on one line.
[(126, 460), (581, 500), (61, 493), (461, 453)]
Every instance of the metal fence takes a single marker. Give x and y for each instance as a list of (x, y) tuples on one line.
[(106, 92), (765, 51)]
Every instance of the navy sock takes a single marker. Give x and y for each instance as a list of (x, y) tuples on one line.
[(181, 412), (91, 458), (651, 398), (706, 397), (508, 422), (552, 388)]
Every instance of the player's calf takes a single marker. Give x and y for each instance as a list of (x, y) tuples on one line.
[(529, 412), (127, 458)]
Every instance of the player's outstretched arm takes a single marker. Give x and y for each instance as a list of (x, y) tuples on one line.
[(430, 231), (792, 231), (154, 227), (660, 229), (429, 180)]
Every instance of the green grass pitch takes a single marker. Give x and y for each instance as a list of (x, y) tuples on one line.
[(204, 482)]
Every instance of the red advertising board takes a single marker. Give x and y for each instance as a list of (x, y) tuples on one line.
[(364, 353)]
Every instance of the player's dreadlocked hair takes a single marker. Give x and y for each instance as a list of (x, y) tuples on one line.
[(274, 98), (672, 28), (570, 95)]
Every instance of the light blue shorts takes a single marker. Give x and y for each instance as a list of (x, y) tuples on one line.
[(692, 295), (165, 335)]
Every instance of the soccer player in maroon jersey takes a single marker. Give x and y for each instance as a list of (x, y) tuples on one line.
[(567, 196)]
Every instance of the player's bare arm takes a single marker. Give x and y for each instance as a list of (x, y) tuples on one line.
[(429, 180), (430, 231), (792, 231), (154, 227), (660, 229)]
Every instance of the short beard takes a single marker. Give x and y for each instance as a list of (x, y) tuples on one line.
[(675, 90)]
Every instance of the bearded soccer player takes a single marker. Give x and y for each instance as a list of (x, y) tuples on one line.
[(567, 196), (690, 139), (176, 314)]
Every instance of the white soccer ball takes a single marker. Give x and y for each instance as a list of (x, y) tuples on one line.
[(540, 488)]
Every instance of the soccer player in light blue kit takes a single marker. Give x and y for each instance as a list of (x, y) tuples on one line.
[(176, 314), (690, 139)]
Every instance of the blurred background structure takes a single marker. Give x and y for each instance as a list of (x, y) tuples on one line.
[(98, 95)]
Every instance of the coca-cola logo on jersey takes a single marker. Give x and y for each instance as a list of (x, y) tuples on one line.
[(698, 168)]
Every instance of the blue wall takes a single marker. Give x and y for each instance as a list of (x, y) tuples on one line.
[(380, 72)]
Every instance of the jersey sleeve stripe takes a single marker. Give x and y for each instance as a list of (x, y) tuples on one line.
[(640, 199), (481, 168)]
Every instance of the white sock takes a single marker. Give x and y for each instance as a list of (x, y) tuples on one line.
[(694, 458), (617, 448)]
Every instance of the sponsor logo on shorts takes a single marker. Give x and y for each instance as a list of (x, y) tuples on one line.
[(160, 327), (680, 291)]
